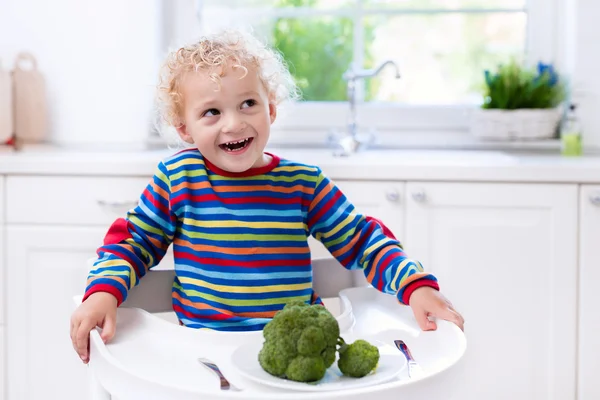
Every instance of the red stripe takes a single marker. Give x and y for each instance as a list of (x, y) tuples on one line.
[(386, 231), (382, 266), (249, 172), (240, 200), (117, 233), (123, 256), (415, 285), (324, 208), (242, 264), (358, 245), (105, 288), (214, 317), (155, 202)]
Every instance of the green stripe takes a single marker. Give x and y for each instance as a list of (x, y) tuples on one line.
[(294, 178), (228, 237), (238, 302)]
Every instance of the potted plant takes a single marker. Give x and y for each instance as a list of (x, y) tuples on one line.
[(520, 103)]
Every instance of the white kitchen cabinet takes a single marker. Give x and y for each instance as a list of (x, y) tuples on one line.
[(2, 253), (506, 256), (589, 296), (381, 200), (2, 365), (71, 200), (46, 268), (2, 294)]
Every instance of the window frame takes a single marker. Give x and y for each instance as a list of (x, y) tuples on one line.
[(314, 118)]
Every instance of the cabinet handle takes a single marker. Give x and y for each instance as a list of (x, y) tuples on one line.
[(393, 196), (117, 204), (419, 196), (595, 199)]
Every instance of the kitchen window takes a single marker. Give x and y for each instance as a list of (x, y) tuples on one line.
[(441, 47)]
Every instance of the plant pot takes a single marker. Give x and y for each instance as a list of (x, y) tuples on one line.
[(521, 124)]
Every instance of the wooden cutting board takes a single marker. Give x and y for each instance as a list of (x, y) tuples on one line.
[(6, 106), (29, 99)]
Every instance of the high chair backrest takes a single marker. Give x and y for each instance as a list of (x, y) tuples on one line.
[(154, 292)]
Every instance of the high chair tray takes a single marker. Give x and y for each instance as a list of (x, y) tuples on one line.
[(153, 359)]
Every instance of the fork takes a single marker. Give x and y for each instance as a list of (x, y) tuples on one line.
[(225, 384)]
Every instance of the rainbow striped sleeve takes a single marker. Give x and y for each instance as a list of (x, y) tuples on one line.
[(360, 242), (136, 243)]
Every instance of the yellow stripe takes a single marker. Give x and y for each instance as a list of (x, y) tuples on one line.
[(245, 289), (245, 224), (341, 239), (141, 224), (394, 281), (339, 227), (294, 168), (161, 175), (106, 271), (228, 237), (112, 263), (193, 173), (370, 249), (186, 161), (265, 177), (240, 302)]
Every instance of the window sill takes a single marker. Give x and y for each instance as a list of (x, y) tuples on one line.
[(446, 140)]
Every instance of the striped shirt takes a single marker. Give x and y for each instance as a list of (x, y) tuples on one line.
[(240, 241)]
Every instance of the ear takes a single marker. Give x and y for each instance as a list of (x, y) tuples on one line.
[(184, 135), (272, 112)]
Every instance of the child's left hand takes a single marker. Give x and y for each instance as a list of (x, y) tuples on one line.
[(426, 301)]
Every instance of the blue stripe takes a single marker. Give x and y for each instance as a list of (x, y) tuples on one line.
[(193, 271)]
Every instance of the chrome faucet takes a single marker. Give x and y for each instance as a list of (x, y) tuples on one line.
[(352, 142)]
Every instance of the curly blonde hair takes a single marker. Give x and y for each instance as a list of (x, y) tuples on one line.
[(215, 52)]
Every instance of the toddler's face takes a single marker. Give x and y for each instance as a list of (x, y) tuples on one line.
[(229, 123)]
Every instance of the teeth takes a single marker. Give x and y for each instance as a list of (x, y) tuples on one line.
[(239, 141)]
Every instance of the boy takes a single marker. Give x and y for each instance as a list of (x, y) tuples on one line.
[(239, 218)]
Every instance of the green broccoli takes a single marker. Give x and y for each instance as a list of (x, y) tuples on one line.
[(357, 359), (300, 342)]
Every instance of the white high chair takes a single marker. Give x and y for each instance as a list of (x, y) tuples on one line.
[(150, 356)]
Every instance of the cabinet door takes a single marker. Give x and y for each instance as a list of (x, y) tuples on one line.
[(506, 256), (589, 296), (2, 294), (382, 200), (2, 253), (46, 267), (2, 365)]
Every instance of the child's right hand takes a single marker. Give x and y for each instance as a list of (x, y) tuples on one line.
[(100, 309)]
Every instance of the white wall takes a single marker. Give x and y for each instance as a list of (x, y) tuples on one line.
[(586, 67), (100, 60)]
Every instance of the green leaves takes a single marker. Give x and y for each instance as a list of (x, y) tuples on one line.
[(513, 86), (318, 50)]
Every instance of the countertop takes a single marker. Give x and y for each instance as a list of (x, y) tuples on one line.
[(409, 165)]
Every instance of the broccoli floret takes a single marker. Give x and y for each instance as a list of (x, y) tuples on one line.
[(357, 359), (300, 342)]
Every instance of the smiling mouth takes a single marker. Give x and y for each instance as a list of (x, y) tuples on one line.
[(237, 145)]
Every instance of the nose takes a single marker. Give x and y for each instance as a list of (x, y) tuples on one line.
[(233, 123)]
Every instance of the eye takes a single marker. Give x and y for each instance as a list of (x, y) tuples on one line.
[(248, 103), (211, 113)]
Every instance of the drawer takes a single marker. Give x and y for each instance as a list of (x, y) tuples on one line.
[(3, 362), (68, 200)]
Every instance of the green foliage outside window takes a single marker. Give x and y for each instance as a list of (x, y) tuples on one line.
[(318, 50)]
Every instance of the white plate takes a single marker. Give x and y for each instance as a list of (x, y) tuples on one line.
[(391, 364)]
